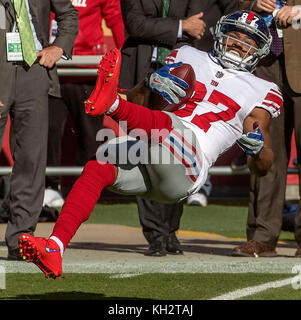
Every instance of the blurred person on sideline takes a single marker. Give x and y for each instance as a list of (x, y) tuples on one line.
[(28, 73), (75, 90), (201, 198), (283, 67)]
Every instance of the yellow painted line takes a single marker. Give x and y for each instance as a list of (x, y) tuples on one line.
[(201, 234), (188, 233)]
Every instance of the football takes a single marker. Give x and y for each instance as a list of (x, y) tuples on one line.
[(184, 72)]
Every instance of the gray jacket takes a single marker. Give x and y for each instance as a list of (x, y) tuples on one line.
[(67, 18)]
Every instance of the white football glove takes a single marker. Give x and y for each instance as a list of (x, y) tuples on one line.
[(167, 85), (252, 142)]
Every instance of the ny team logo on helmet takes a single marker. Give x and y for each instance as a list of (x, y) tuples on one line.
[(246, 22)]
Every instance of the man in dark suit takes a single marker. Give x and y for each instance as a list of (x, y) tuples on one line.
[(151, 28), (267, 194), (24, 96)]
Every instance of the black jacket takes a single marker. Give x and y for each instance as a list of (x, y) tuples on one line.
[(145, 28)]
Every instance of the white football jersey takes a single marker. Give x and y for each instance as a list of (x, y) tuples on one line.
[(222, 100)]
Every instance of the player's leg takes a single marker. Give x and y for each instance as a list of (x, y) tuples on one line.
[(139, 117), (104, 99), (46, 253), (177, 166), (174, 180), (126, 179)]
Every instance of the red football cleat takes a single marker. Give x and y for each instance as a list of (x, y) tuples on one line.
[(105, 91), (44, 253)]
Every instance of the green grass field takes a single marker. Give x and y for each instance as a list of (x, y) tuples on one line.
[(147, 286), (227, 220)]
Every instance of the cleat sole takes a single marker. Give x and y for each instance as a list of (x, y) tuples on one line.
[(105, 73)]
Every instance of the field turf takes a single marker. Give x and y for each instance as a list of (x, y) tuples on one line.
[(177, 286), (228, 221)]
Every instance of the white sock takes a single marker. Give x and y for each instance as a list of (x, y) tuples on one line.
[(114, 106), (59, 243)]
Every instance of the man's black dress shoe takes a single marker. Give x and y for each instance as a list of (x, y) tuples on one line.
[(156, 250), (173, 245)]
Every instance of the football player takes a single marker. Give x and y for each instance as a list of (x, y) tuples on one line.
[(229, 105)]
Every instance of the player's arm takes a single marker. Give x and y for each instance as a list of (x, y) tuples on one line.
[(161, 82), (256, 142), (111, 12)]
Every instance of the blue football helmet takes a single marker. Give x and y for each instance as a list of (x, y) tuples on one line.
[(249, 23)]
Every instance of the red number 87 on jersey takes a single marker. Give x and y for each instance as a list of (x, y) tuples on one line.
[(204, 120)]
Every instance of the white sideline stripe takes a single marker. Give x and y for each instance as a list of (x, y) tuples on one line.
[(237, 294), (179, 265), (124, 275)]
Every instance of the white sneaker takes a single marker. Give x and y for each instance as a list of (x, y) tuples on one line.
[(53, 198), (197, 199)]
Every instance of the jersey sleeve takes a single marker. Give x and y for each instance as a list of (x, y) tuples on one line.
[(272, 102), (178, 55)]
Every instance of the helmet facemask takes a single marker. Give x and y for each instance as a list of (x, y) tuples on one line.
[(231, 59)]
